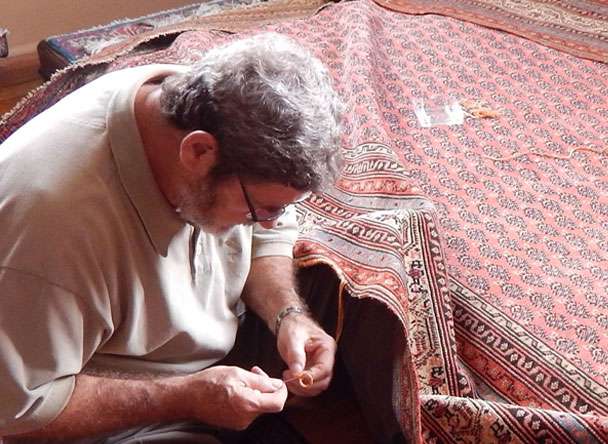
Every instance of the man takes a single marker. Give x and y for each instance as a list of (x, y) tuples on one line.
[(138, 214)]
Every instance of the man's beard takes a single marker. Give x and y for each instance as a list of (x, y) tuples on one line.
[(196, 201)]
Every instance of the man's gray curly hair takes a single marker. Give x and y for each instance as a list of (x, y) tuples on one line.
[(270, 105)]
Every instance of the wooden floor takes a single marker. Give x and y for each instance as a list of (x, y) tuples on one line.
[(18, 75)]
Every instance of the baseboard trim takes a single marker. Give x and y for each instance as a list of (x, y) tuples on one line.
[(22, 49), (16, 69)]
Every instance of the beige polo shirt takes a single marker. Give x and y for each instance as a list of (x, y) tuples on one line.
[(96, 268)]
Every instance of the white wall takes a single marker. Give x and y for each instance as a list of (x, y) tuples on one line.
[(30, 21)]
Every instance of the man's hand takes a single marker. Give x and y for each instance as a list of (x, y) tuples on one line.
[(232, 398), (228, 397), (304, 346), (302, 343)]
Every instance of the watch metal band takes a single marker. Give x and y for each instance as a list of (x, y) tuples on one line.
[(292, 309)]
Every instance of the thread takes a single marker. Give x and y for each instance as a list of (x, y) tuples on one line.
[(547, 155), (305, 379)]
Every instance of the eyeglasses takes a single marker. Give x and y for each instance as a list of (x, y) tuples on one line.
[(265, 214)]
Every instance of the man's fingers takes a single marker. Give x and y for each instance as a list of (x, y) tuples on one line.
[(258, 380), (312, 379), (296, 358), (266, 402), (304, 346), (233, 397), (320, 358), (258, 371), (319, 368), (263, 394)]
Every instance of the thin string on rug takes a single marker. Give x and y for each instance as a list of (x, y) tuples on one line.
[(533, 152), (305, 378), (481, 110)]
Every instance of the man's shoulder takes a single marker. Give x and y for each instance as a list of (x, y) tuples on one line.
[(73, 209), (42, 175), (58, 200), (138, 72), (62, 237), (84, 110)]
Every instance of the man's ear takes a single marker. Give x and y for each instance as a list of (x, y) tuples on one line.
[(198, 152)]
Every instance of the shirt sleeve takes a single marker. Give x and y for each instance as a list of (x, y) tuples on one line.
[(277, 241), (43, 344)]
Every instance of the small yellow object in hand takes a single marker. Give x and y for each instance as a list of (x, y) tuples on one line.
[(305, 379)]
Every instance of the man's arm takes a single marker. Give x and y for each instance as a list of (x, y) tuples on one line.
[(302, 343), (270, 287), (227, 397)]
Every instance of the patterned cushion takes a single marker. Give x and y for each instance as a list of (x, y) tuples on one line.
[(58, 51), (3, 43)]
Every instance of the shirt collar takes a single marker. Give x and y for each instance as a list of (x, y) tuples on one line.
[(158, 217)]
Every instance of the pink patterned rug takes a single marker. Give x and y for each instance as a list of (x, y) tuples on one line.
[(501, 283), (579, 27)]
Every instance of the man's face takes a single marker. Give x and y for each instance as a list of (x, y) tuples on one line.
[(218, 205), (195, 202)]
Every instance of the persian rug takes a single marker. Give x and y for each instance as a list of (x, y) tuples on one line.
[(500, 283), (579, 27)]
